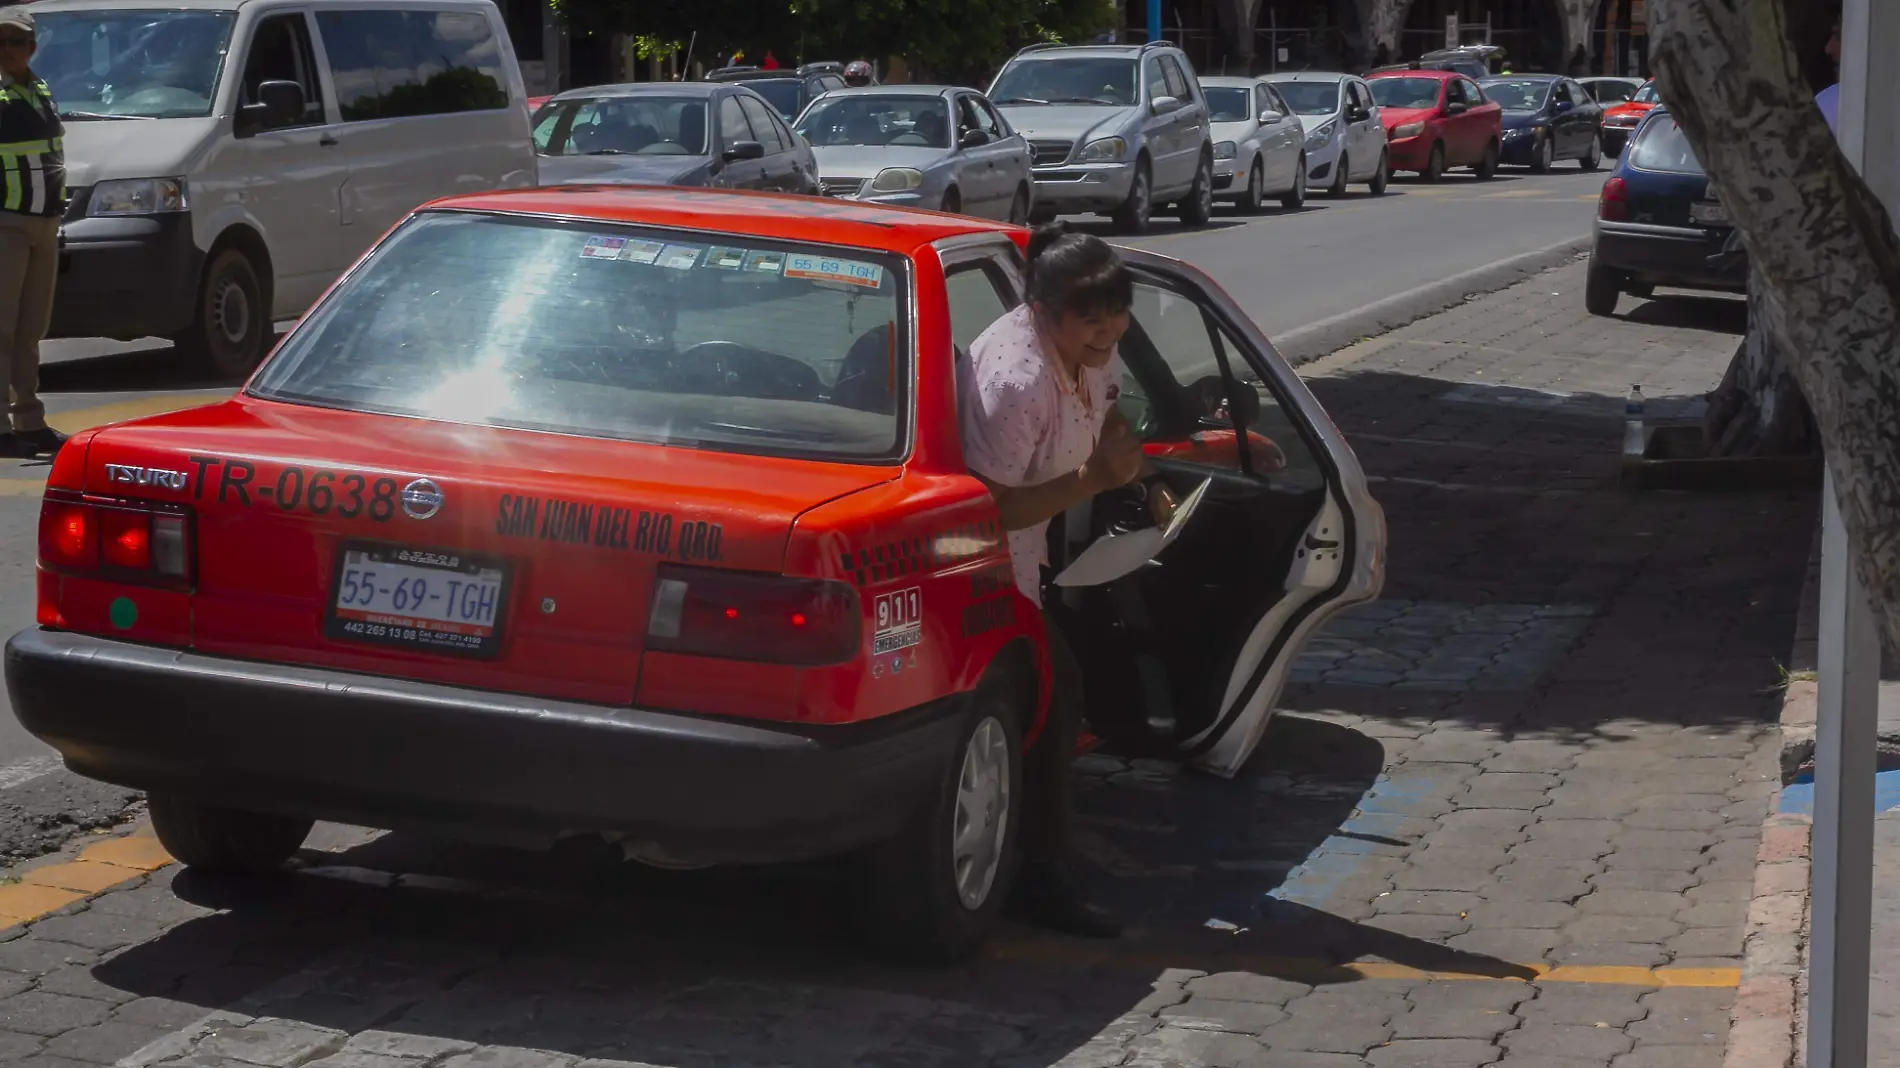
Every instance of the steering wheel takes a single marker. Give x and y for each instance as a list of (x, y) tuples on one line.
[(732, 369)]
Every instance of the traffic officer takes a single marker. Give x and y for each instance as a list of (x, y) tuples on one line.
[(32, 198)]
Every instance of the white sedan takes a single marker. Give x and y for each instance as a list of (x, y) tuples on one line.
[(1259, 144)]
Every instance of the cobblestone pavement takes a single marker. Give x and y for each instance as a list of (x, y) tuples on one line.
[(1509, 818)]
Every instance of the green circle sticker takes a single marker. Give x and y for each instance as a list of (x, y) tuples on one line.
[(124, 613)]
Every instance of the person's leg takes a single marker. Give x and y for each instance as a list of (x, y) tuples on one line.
[(16, 261), (35, 315)]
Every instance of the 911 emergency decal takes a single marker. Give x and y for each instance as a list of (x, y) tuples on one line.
[(606, 527), (899, 620)]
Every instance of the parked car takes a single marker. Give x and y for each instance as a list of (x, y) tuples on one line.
[(1659, 223), (671, 133), (252, 177), (1116, 129), (1259, 144), (1345, 139), (535, 102), (1547, 118), (1610, 91), (1438, 119), (644, 513), (1620, 120), (927, 146), (1472, 61), (788, 90)]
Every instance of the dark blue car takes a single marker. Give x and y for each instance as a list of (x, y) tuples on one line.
[(1660, 223), (1547, 118)]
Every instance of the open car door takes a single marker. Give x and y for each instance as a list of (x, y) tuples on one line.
[(1189, 654)]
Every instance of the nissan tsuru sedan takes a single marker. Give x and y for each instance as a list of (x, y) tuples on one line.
[(642, 513)]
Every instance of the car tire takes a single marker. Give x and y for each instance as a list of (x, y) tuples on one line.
[(231, 329), (1487, 167), (1197, 208), (1434, 163), (1294, 199), (1135, 212), (930, 895), (225, 841), (1593, 158), (1602, 288), (1381, 177), (1341, 170), (1019, 210), (1543, 156), (952, 201), (1253, 197)]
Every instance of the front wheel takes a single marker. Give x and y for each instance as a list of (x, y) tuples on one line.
[(1487, 167), (1019, 207), (1136, 211), (1543, 156), (1602, 288), (1295, 198), (1338, 188), (952, 202), (1594, 157), (1253, 197), (933, 893), (1434, 164), (1381, 177), (232, 329), (225, 841), (1197, 208)]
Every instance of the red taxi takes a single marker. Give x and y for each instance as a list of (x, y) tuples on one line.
[(1435, 119), (642, 513), (1622, 120)]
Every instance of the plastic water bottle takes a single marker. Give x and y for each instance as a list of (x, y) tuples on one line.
[(1634, 441)]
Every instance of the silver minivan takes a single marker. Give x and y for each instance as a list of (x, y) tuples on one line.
[(228, 159)]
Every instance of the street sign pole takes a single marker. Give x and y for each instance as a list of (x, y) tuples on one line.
[(1154, 20)]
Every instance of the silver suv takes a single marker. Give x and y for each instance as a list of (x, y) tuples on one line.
[(1115, 129)]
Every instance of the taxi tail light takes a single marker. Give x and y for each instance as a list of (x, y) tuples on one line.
[(119, 539), (1613, 204), (749, 616)]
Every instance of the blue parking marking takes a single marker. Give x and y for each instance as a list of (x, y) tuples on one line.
[(1798, 796), (1313, 881)]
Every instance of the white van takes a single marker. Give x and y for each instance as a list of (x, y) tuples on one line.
[(227, 159)]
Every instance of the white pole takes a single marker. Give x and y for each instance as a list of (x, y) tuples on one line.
[(1849, 655)]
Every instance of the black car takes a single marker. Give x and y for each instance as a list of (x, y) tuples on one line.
[(788, 89), (1660, 223), (1547, 118)]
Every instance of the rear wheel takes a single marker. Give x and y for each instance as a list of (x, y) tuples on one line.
[(1133, 215), (1381, 177), (1488, 165), (1434, 163), (1602, 288), (1294, 199), (232, 329), (1342, 169), (1253, 197), (225, 841), (931, 894), (1594, 158), (1197, 208)]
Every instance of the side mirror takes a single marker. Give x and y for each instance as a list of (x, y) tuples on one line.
[(1457, 107), (278, 103), (973, 139), (1269, 117), (1563, 106), (1217, 407), (742, 150), (1357, 114), (1165, 105)]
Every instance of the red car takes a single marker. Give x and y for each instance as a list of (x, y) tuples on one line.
[(643, 513), (1623, 119), (1436, 119)]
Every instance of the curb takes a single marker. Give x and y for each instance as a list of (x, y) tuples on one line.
[(1307, 343)]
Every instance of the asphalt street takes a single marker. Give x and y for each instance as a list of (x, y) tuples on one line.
[(1289, 269)]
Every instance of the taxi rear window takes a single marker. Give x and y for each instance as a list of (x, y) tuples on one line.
[(689, 339)]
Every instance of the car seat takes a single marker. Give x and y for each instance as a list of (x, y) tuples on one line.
[(692, 132), (864, 129), (931, 127), (865, 379)]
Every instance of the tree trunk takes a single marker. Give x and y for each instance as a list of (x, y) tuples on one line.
[(1823, 246), (1758, 410)]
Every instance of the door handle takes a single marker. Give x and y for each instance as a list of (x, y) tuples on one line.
[(327, 141)]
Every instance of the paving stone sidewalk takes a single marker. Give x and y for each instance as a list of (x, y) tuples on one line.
[(1509, 819)]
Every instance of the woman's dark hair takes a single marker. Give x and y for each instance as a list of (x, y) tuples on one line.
[(1080, 273)]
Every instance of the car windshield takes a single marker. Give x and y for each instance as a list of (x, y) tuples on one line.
[(781, 93), (1405, 92), (694, 340), (915, 121), (140, 63), (1647, 95), (1610, 91), (1517, 95), (1660, 146), (1080, 80), (644, 126), (1225, 104), (1310, 98)]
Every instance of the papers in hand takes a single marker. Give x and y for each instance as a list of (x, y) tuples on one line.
[(1112, 557)]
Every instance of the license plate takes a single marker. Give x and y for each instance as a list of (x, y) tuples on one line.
[(430, 600), (1708, 214)]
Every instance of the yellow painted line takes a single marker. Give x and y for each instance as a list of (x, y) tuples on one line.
[(1514, 194), (98, 868), (25, 485), (79, 419)]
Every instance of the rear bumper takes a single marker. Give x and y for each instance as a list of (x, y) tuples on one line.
[(397, 754), (1668, 256), (126, 277)]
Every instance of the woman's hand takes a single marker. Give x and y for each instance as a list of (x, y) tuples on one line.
[(1116, 461)]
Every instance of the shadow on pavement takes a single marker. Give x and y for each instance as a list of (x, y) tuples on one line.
[(1723, 315)]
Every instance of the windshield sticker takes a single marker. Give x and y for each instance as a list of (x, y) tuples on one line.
[(642, 251), (765, 262), (725, 259), (827, 269), (900, 621), (680, 257), (600, 247)]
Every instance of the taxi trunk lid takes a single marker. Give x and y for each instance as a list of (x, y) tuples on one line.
[(545, 546)]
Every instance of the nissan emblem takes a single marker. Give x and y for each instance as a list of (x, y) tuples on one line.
[(421, 499)]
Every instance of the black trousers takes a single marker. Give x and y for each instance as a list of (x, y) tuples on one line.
[(1048, 796)]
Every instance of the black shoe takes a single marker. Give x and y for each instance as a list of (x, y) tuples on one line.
[(1048, 896), (14, 447), (42, 442)]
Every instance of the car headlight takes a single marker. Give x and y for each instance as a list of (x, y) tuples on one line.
[(1410, 129), (1104, 150), (137, 196), (897, 180), (1225, 150), (1319, 137)]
